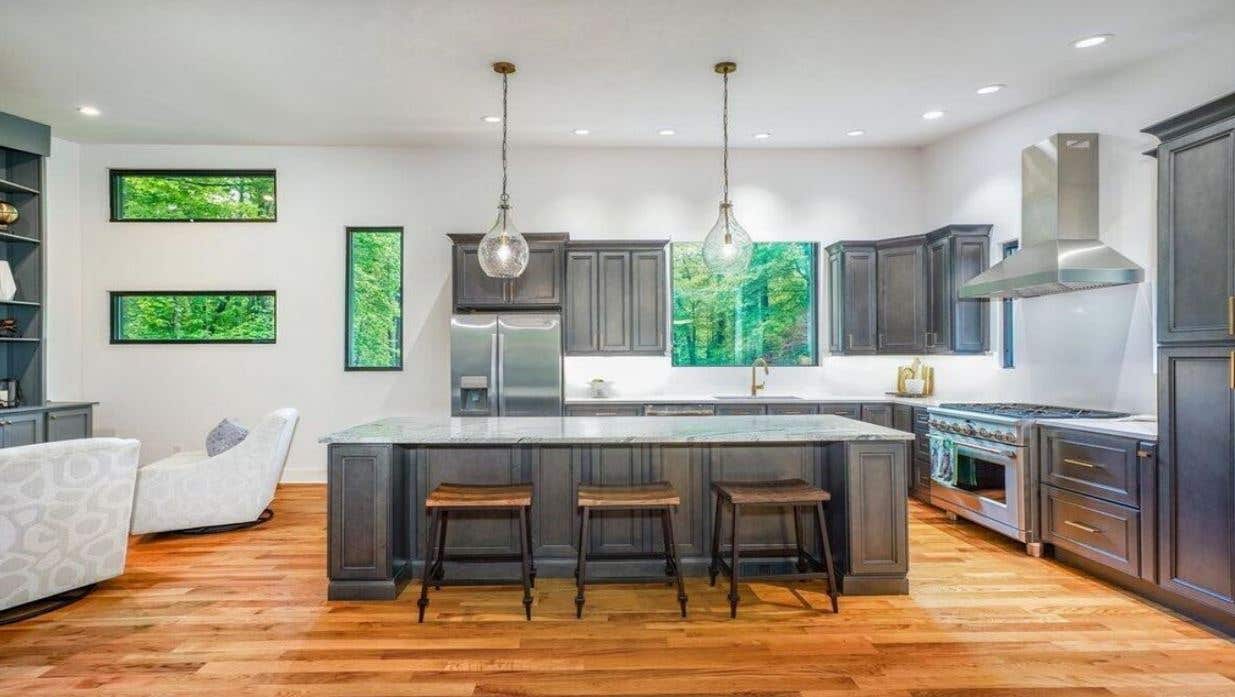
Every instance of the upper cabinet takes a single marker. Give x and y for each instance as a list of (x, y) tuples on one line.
[(539, 287), (901, 295), (616, 300), (1196, 225)]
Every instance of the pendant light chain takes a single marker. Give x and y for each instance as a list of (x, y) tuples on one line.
[(725, 129), (505, 91)]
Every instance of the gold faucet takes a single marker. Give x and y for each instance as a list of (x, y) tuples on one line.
[(756, 386)]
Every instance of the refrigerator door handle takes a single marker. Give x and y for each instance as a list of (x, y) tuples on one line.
[(499, 361)]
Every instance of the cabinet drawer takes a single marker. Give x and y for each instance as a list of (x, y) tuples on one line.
[(793, 409), (852, 411), (678, 410), (1091, 463), (1103, 532), (604, 410), (740, 410)]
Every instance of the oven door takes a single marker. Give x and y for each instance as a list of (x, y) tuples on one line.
[(989, 488)]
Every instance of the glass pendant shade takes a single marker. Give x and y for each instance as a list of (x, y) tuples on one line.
[(503, 251), (727, 248)]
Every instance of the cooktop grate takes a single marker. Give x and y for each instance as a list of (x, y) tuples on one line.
[(1031, 411)]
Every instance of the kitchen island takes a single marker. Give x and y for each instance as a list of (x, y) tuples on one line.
[(379, 473)]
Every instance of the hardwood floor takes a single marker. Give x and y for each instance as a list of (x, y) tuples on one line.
[(244, 613)]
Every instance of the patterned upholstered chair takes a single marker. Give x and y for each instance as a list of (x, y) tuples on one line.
[(191, 492), (64, 520)]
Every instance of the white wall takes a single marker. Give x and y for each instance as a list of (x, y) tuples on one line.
[(1095, 347), (169, 396), (62, 245)]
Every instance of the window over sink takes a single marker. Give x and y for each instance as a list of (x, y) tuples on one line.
[(768, 311)]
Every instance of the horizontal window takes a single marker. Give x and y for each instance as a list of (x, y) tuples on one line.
[(193, 196), (374, 299), (193, 317), (767, 311)]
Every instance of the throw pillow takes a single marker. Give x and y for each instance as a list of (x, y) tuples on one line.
[(224, 437)]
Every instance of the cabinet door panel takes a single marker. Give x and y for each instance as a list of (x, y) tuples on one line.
[(792, 408), (682, 466), (860, 302), (69, 424), (740, 410), (581, 307), (474, 288), (22, 429), (939, 296), (617, 532), (474, 532), (763, 526), (555, 524), (1196, 478), (614, 294), (540, 284), (836, 300), (879, 414), (902, 293), (647, 270), (1196, 236), (970, 319)]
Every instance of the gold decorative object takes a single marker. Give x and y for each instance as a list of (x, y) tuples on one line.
[(915, 371), (8, 215)]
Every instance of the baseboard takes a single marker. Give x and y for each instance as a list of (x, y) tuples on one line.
[(303, 475)]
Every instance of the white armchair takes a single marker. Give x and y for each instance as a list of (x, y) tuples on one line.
[(190, 490), (64, 517)]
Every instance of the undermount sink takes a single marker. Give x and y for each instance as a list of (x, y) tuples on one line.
[(769, 397)]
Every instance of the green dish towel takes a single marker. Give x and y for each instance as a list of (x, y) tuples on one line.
[(943, 460)]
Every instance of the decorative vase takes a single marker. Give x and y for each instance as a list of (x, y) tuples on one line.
[(8, 286), (8, 214)]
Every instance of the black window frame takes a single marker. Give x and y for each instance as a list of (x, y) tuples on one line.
[(1007, 350), (812, 318), (115, 295), (347, 297), (113, 195)]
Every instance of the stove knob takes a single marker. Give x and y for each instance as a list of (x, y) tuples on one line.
[(985, 433), (935, 423), (969, 429), (1007, 437)]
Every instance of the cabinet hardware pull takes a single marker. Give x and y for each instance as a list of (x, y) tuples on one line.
[(850, 341), (1230, 315), (1232, 371), (1144, 453), (606, 413), (1080, 526), (1082, 463)]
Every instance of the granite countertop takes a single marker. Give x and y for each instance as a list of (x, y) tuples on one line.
[(765, 399), (590, 430), (1145, 427)]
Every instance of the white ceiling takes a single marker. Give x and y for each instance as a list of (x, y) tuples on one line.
[(375, 72)]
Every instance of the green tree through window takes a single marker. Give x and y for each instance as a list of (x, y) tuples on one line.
[(374, 299), (151, 317), (730, 320), (193, 195)]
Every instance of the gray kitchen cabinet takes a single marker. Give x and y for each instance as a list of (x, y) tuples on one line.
[(539, 287), (849, 411), (879, 414), (920, 483), (938, 293), (69, 424), (902, 417), (616, 300), (852, 297), (901, 313), (604, 410), (21, 429), (740, 410), (1196, 225), (793, 408), (955, 254)]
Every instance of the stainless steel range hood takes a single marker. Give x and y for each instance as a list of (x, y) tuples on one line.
[(1060, 250)]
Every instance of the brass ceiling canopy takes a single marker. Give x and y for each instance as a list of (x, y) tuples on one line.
[(724, 67), (505, 68)]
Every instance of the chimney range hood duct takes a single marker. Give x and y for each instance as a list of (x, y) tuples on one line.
[(1060, 251)]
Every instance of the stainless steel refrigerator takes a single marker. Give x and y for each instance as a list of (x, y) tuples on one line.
[(506, 365)]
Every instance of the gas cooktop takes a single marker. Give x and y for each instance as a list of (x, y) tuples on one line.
[(1031, 411)]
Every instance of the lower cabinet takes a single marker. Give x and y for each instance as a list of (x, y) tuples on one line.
[(69, 424), (879, 414), (920, 482), (21, 429), (604, 410), (29, 426)]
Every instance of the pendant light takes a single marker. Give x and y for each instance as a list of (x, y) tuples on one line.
[(727, 248), (503, 251)]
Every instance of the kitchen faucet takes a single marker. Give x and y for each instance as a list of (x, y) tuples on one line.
[(756, 386)]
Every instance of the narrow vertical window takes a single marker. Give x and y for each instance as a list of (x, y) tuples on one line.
[(374, 338), (1009, 357)]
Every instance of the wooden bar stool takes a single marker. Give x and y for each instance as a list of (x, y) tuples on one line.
[(476, 497), (657, 496), (794, 493)]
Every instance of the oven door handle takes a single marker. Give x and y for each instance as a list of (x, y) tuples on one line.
[(984, 449)]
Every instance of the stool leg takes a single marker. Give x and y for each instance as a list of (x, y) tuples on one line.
[(714, 567), (430, 548), (530, 546), (797, 539), (581, 567), (821, 523), (525, 553), (666, 533), (671, 552), (439, 566), (734, 559)]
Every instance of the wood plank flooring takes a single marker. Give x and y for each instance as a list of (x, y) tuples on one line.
[(244, 613)]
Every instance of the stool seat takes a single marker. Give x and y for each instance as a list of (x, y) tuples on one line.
[(651, 495), (782, 491), (448, 495)]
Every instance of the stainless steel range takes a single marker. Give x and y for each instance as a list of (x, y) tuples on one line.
[(997, 446)]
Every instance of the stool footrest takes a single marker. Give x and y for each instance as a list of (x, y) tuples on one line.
[(480, 558), (476, 582)]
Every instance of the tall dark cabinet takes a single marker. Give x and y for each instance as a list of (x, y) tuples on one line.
[(616, 298), (902, 295), (853, 294), (1196, 358)]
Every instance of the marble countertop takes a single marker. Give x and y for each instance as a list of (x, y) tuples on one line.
[(587, 430), (765, 399), (1144, 427)]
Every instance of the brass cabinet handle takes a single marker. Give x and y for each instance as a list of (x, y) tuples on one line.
[(1082, 463), (850, 341), (1232, 370), (1144, 453), (1230, 315), (1080, 526)]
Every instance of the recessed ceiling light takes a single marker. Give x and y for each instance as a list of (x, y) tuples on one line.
[(932, 115), (991, 89), (666, 132), (581, 131), (87, 110), (1091, 41), (762, 136), (856, 132), (491, 119)]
